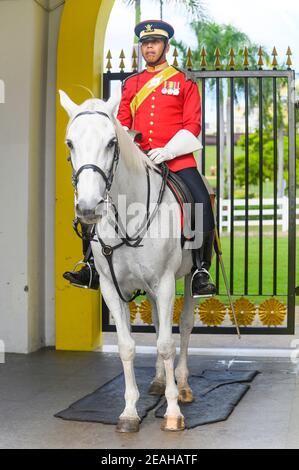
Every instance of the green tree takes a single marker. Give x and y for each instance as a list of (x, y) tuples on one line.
[(268, 161)]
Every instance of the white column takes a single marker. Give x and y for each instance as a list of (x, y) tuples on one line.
[(24, 180)]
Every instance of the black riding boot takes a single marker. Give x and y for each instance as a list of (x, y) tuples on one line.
[(87, 276), (201, 285)]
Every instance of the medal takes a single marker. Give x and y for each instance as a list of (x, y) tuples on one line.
[(176, 90), (164, 89), (170, 88)]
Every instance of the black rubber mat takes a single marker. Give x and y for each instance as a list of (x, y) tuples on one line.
[(216, 393), (106, 403)]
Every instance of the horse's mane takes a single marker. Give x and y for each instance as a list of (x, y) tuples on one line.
[(130, 153), (133, 157)]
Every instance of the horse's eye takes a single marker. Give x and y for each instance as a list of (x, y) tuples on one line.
[(111, 143), (69, 144)]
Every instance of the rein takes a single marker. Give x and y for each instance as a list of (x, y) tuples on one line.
[(133, 241)]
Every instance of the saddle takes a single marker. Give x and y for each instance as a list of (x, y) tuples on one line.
[(183, 196)]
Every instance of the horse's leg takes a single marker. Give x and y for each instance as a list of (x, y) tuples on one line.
[(173, 418), (129, 419), (186, 326), (157, 386)]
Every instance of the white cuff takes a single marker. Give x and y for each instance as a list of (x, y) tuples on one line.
[(183, 142)]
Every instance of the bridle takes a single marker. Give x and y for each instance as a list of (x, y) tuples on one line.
[(134, 241), (90, 166)]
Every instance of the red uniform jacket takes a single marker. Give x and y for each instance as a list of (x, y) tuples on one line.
[(161, 116)]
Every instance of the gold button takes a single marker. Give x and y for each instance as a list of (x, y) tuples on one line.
[(153, 98), (150, 131), (153, 106), (151, 123), (150, 140), (152, 114)]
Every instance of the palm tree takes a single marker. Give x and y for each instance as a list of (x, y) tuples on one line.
[(195, 8)]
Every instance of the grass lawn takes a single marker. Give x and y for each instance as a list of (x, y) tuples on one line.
[(211, 159), (239, 242), (253, 271), (239, 251)]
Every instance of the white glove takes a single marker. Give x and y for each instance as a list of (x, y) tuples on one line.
[(160, 155), (181, 143)]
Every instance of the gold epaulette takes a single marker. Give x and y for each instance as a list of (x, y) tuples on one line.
[(189, 75)]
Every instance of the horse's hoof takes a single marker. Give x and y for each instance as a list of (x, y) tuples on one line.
[(175, 423), (185, 395), (128, 425), (157, 388)]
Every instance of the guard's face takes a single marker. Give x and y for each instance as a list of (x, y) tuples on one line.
[(152, 49)]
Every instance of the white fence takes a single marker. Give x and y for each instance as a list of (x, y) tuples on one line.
[(254, 211)]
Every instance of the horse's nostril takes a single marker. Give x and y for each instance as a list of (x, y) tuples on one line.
[(87, 208), (88, 213), (83, 210)]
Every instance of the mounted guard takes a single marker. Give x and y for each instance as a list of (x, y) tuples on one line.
[(162, 105)]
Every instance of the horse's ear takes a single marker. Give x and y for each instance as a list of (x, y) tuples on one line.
[(69, 106), (113, 104)]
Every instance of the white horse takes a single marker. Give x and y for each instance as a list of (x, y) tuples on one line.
[(93, 136)]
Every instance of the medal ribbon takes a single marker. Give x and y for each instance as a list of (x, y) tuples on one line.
[(147, 89)]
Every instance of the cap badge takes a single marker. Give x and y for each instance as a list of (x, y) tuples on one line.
[(149, 28)]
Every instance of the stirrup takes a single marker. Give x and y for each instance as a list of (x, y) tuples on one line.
[(85, 263), (199, 296)]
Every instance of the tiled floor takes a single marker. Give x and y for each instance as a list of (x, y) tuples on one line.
[(33, 387)]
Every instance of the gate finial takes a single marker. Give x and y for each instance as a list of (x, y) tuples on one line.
[(175, 54), (232, 55), (134, 57), (261, 61), (246, 55), (289, 60), (274, 61), (109, 57), (203, 62), (217, 61), (122, 57), (189, 59)]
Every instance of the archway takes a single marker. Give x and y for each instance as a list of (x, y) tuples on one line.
[(79, 60)]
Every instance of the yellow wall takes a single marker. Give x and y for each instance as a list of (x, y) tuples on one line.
[(79, 62)]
